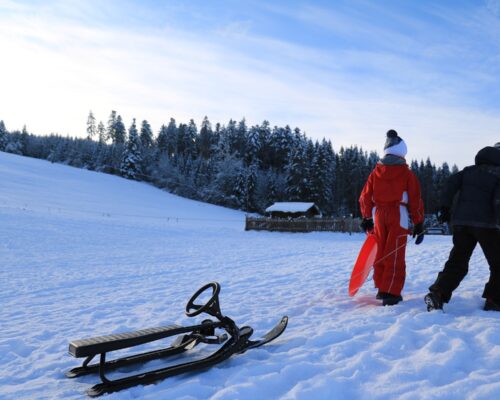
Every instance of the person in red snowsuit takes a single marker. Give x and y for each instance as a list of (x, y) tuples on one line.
[(390, 196)]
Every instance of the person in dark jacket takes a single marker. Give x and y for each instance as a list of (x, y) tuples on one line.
[(475, 219)]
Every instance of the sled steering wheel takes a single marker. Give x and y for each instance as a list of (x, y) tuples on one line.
[(210, 307)]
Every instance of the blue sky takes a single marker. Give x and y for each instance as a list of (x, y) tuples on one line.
[(345, 70)]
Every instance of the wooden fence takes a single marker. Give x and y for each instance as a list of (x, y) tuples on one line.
[(303, 224)]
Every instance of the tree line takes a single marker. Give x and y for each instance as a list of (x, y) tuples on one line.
[(232, 165)]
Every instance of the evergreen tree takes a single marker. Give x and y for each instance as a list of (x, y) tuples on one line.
[(271, 191), (190, 139), (252, 146), (321, 178), (264, 146), (427, 184), (162, 141), (240, 189), (329, 178), (172, 138), (282, 145), (58, 152), (131, 167), (181, 139), (414, 166), (296, 175), (441, 178), (120, 131), (101, 131), (146, 134), (227, 140), (111, 127), (240, 139), (216, 136), (3, 135), (91, 127), (205, 139), (251, 201)]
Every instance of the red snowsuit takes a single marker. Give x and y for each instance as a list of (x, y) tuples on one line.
[(389, 193)]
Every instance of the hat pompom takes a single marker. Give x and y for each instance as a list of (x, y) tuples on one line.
[(394, 144)]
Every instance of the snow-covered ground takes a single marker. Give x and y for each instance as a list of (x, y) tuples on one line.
[(85, 254)]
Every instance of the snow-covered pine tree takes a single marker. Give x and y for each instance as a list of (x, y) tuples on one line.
[(91, 127), (204, 139), (297, 174), (226, 146), (3, 135), (101, 132), (414, 166), (190, 139), (146, 134), (251, 201), (110, 134), (131, 167), (240, 141), (427, 180), (321, 177), (181, 139), (441, 178), (59, 152), (330, 178), (271, 192), (309, 155), (252, 146), (265, 146), (172, 138), (276, 143), (216, 137), (352, 162), (161, 140), (240, 189), (315, 176), (120, 131)]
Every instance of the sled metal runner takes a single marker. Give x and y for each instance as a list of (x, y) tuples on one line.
[(235, 340)]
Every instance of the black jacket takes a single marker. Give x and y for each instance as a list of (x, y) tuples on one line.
[(478, 188)]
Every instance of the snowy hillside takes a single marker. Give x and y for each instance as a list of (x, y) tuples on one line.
[(86, 254)]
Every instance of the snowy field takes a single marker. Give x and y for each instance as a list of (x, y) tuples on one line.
[(85, 254)]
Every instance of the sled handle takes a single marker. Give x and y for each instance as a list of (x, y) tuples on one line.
[(211, 307)]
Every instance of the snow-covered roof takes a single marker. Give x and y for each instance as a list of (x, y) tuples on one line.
[(290, 207)]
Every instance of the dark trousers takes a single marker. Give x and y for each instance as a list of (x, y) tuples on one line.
[(465, 239)]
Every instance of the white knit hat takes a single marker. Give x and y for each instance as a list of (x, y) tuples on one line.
[(395, 145)]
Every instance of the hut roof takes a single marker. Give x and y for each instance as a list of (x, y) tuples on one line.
[(292, 207)]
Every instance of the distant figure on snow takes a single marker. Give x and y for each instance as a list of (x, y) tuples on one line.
[(475, 218), (392, 190)]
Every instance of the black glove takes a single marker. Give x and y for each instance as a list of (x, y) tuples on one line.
[(444, 215), (418, 232), (367, 224)]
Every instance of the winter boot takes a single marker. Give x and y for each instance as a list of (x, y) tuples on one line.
[(381, 295), (390, 299), (491, 305), (434, 301)]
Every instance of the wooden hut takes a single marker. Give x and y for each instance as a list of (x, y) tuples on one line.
[(299, 217)]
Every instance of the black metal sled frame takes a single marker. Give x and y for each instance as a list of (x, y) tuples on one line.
[(235, 340)]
